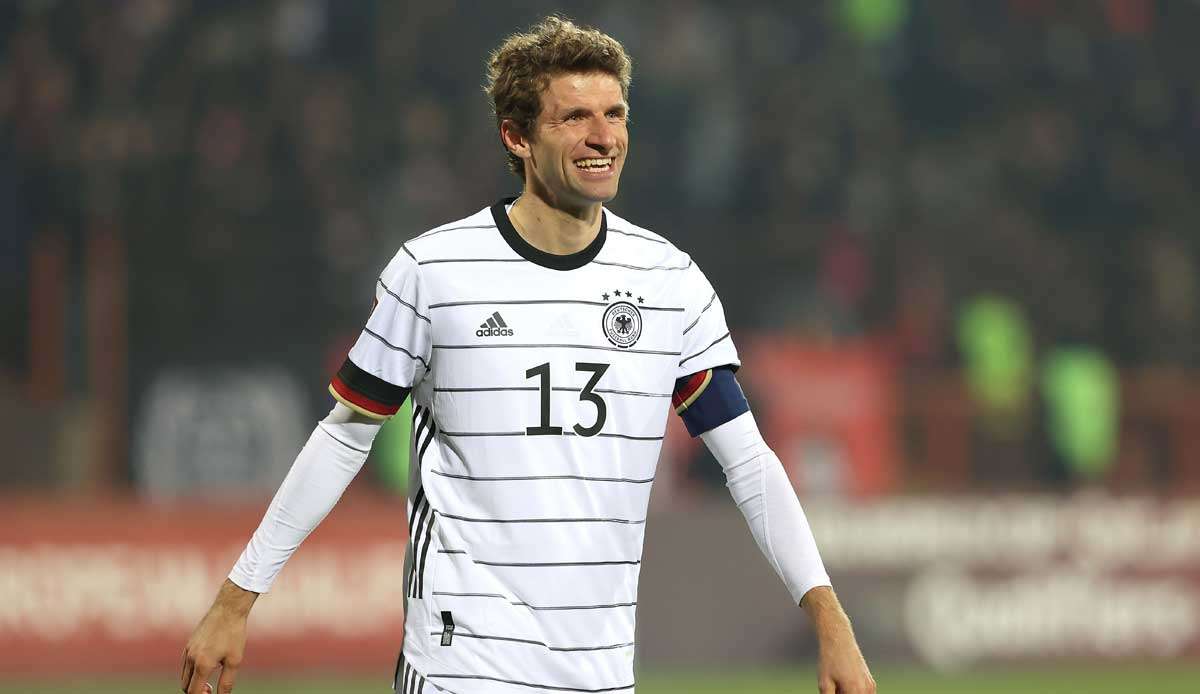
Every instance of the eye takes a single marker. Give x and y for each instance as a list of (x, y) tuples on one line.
[(575, 118)]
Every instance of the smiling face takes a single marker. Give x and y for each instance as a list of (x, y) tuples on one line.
[(574, 156)]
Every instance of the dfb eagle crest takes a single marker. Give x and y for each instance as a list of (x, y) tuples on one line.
[(622, 324)]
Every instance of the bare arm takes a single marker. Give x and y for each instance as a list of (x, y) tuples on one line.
[(234, 599), (841, 666), (218, 641)]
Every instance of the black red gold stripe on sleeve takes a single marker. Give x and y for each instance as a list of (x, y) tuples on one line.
[(689, 388), (365, 393)]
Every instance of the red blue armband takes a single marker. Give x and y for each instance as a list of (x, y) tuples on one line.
[(707, 399)]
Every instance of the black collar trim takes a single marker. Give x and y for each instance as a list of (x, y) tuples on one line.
[(553, 261)]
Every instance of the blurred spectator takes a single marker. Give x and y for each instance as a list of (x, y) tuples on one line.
[(850, 171)]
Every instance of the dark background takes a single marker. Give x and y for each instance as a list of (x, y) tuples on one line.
[(211, 187)]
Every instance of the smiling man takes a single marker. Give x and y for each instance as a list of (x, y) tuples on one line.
[(543, 341)]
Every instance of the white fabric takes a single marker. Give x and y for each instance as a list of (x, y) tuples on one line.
[(324, 468), (395, 344), (533, 541), (763, 493), (707, 342)]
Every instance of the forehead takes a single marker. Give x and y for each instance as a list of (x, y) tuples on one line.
[(598, 90)]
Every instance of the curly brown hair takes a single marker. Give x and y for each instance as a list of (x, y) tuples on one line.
[(521, 68)]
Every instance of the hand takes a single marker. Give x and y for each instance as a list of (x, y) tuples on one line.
[(841, 668), (218, 641)]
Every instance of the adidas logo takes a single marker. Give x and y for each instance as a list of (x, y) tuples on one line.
[(494, 326), (562, 327)]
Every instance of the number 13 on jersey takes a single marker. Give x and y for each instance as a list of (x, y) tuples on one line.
[(586, 394)]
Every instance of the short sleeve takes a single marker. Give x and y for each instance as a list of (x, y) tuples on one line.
[(392, 353), (706, 339)]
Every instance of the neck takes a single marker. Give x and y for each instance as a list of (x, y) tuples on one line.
[(554, 229)]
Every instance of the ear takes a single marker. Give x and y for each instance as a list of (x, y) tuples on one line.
[(515, 139)]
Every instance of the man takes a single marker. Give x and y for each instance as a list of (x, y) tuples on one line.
[(540, 340)]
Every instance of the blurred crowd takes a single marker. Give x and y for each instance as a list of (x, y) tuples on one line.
[(899, 172)]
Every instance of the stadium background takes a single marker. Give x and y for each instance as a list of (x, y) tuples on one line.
[(957, 243)]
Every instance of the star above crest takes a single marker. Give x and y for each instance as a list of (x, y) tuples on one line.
[(618, 294)]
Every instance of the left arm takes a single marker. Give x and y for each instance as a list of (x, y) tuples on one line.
[(718, 412), (711, 403), (841, 666), (764, 495)]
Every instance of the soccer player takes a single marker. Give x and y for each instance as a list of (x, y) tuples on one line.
[(542, 340)]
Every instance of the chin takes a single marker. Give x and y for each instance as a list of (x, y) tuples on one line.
[(606, 196), (598, 194)]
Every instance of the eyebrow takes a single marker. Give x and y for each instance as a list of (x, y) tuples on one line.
[(579, 110)]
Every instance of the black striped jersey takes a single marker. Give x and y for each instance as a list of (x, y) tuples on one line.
[(541, 386)]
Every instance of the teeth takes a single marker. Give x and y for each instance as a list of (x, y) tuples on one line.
[(594, 163)]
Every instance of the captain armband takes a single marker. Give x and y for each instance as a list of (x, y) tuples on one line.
[(707, 399)]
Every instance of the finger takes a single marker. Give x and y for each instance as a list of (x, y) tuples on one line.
[(185, 677), (228, 674), (199, 681), (856, 687), (826, 685)]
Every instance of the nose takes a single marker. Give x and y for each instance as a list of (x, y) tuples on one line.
[(601, 136)]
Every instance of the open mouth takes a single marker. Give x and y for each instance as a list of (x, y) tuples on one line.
[(595, 164)]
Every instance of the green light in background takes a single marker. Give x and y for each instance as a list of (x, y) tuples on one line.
[(997, 349), (874, 20), (1082, 394), (389, 454)]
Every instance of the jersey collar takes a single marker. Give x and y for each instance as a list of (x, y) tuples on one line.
[(553, 261)]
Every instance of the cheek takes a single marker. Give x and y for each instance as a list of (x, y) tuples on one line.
[(549, 150)]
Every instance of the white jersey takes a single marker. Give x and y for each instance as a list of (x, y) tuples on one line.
[(541, 387)]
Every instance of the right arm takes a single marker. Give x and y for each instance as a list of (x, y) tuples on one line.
[(219, 640), (391, 355), (324, 468)]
